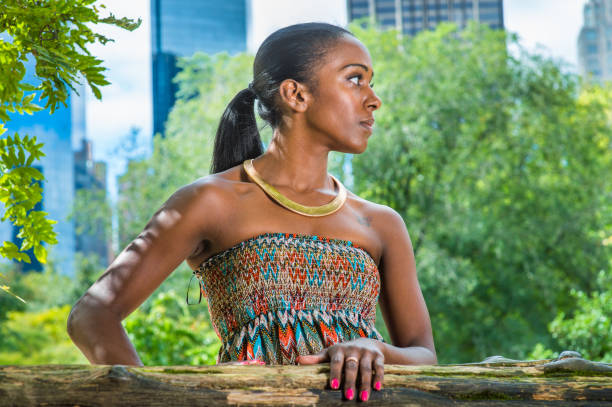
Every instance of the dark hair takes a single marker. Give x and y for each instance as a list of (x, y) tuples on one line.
[(289, 53)]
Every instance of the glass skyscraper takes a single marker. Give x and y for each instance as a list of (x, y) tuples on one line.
[(179, 28), (412, 16), (595, 40)]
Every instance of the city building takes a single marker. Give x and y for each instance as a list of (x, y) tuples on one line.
[(57, 166), (595, 40), (179, 28), (90, 176), (412, 16)]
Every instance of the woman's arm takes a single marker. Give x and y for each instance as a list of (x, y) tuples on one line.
[(172, 234), (401, 300), (403, 307)]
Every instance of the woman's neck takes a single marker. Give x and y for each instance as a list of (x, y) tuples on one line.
[(293, 161)]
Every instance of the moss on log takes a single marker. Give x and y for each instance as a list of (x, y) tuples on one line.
[(495, 382)]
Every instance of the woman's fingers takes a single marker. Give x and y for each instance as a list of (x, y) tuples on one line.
[(365, 376), (320, 357), (351, 368), (335, 368), (379, 372)]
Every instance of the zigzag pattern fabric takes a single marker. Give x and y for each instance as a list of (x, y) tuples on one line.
[(276, 296)]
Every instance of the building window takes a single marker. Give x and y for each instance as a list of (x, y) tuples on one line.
[(437, 6), (484, 4), (489, 17), (387, 9), (413, 19)]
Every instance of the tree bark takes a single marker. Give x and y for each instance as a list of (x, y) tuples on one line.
[(495, 382)]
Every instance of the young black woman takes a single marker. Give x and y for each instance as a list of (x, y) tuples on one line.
[(293, 264)]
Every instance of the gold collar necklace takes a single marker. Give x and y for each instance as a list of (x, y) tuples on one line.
[(293, 206)]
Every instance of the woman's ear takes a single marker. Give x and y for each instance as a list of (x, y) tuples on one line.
[(295, 95)]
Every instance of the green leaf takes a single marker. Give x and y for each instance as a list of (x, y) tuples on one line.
[(41, 253), (96, 91)]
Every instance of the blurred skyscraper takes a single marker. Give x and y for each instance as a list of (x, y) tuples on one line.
[(595, 40), (179, 28), (412, 16), (90, 175)]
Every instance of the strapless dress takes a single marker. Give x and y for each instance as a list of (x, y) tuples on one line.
[(277, 296)]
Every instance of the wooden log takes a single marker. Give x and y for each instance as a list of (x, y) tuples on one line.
[(495, 382)]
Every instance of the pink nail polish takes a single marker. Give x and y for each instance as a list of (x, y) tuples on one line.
[(364, 395), (349, 394), (335, 384), (377, 385), (261, 362)]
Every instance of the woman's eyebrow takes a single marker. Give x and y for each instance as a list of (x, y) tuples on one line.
[(359, 65)]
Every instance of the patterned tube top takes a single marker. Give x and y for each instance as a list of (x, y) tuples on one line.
[(277, 296)]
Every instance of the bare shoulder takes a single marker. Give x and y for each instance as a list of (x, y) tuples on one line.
[(381, 216), (386, 222), (207, 200)]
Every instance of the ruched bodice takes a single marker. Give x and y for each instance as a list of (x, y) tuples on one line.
[(276, 296)]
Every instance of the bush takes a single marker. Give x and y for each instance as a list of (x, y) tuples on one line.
[(38, 337), (169, 332), (588, 329)]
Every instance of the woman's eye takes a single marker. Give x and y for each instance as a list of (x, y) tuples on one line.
[(355, 79)]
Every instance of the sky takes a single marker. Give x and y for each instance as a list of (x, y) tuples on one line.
[(550, 26)]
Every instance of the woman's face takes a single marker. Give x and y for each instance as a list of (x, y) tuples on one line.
[(344, 102)]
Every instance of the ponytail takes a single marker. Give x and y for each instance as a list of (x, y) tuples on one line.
[(237, 136)]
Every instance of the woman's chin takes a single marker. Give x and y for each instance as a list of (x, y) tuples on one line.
[(361, 147)]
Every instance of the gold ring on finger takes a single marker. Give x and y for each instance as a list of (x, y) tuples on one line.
[(353, 358)]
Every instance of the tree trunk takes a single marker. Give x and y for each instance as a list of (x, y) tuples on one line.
[(494, 382)]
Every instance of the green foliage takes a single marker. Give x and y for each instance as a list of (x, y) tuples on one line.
[(57, 34), (35, 333), (48, 288), (164, 329), (169, 332), (588, 329), (20, 191), (7, 289), (541, 352), (38, 337), (500, 166), (92, 213), (89, 270), (54, 35)]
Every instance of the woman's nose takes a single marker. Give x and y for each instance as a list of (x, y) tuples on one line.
[(373, 101)]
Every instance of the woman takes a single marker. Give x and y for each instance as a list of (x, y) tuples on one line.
[(292, 262)]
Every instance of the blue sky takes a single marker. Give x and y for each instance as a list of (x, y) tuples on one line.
[(550, 25)]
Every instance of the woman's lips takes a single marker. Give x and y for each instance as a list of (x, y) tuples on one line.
[(368, 124)]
